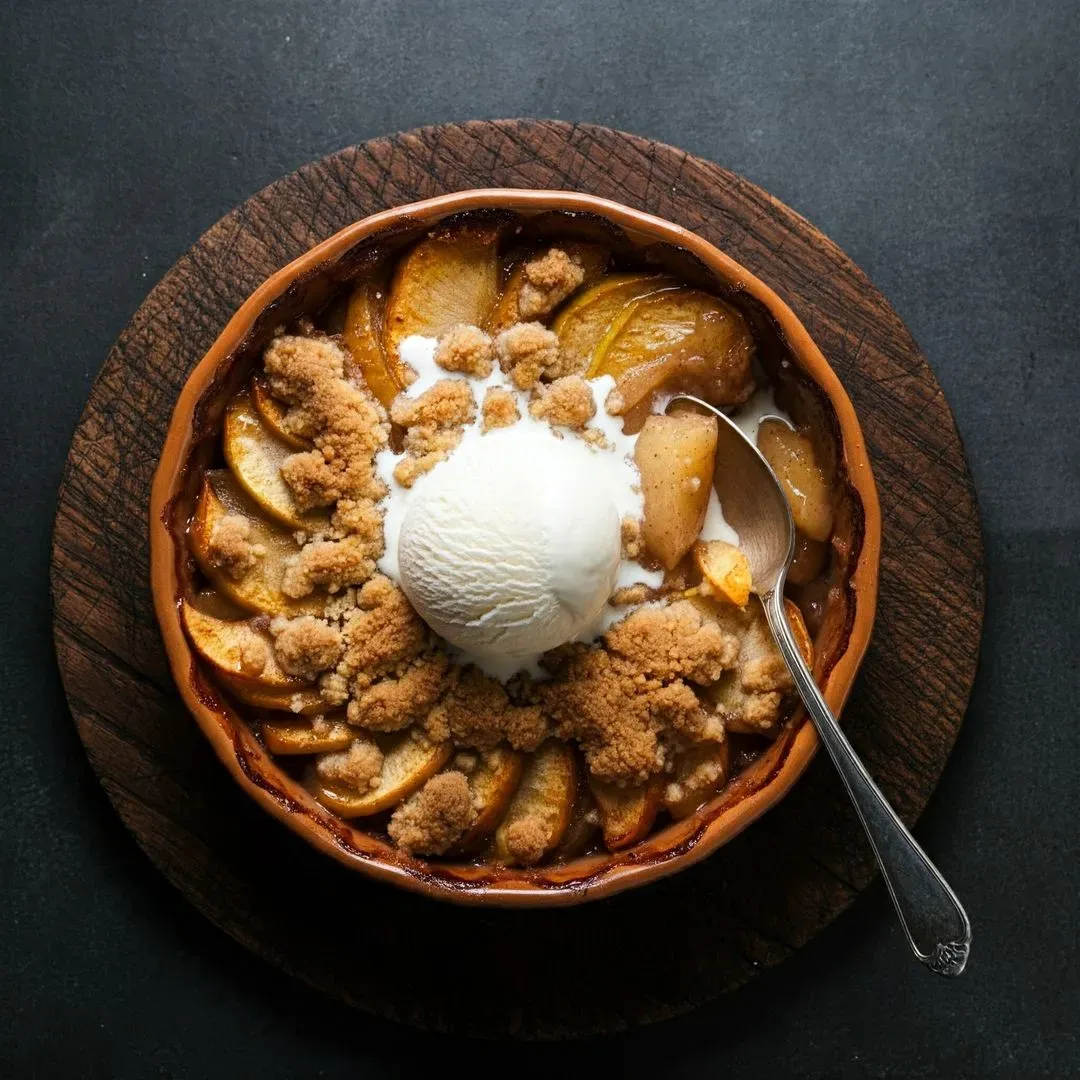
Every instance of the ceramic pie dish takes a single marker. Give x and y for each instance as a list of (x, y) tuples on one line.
[(813, 395)]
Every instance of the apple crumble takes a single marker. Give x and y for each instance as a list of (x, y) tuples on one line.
[(469, 578)]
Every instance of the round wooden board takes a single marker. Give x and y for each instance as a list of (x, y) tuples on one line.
[(748, 906)]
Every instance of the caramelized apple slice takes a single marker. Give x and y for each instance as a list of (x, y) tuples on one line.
[(791, 456), (581, 833), (700, 772), (259, 590), (800, 631), (585, 321), (407, 763), (675, 456), (492, 784), (237, 649), (255, 456), (290, 737), (626, 813), (540, 810), (725, 569), (272, 413), (450, 277), (592, 258), (303, 701), (683, 319), (363, 335)]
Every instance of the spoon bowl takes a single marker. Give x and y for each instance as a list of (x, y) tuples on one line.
[(754, 505)]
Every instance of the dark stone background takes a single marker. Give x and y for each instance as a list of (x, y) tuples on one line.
[(937, 142)]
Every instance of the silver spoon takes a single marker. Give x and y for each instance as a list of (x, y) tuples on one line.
[(933, 919)]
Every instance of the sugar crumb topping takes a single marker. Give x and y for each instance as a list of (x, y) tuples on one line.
[(549, 280), (436, 817), (230, 547)]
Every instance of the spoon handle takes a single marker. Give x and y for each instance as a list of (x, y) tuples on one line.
[(933, 919)]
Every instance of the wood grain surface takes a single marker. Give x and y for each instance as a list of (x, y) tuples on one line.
[(491, 972)]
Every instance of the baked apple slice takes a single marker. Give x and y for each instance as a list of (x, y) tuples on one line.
[(675, 456), (492, 784), (236, 648), (592, 258), (255, 456), (363, 336), (292, 736), (407, 764), (686, 320), (303, 701), (272, 413), (259, 590), (539, 812), (791, 456), (626, 813), (450, 277), (582, 325), (700, 772), (724, 569)]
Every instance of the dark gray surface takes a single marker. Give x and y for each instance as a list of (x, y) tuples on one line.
[(937, 143)]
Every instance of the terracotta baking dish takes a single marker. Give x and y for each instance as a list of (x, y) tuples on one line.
[(807, 387)]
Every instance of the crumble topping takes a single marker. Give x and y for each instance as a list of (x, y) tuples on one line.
[(526, 351), (499, 409), (434, 423), (436, 817), (632, 544), (467, 349), (477, 711), (549, 280), (631, 594), (358, 767), (305, 646), (397, 701), (346, 424), (618, 701), (526, 839), (231, 548), (382, 636), (333, 563), (674, 642), (566, 402)]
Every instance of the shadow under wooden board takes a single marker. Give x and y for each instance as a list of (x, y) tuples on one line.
[(748, 906)]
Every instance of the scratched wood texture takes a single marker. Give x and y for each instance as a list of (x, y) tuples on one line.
[(544, 974)]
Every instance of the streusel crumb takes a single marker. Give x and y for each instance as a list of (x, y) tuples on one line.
[(549, 280), (631, 594), (477, 712), (436, 817), (382, 636), (230, 548), (499, 409), (305, 646), (526, 840), (395, 702), (674, 642), (617, 711), (632, 543), (347, 425), (333, 563), (449, 403), (526, 351), (434, 423), (358, 767), (567, 402), (467, 349)]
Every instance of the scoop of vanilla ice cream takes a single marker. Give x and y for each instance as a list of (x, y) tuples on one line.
[(512, 545)]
